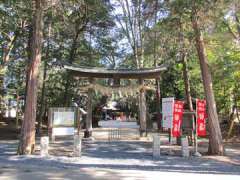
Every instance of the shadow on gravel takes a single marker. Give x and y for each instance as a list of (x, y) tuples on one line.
[(121, 155)]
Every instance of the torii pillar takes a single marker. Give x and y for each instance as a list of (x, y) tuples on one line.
[(142, 110), (88, 131)]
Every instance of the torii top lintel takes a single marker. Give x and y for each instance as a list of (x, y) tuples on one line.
[(146, 73)]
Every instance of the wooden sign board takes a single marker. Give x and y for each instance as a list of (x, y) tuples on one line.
[(62, 121)]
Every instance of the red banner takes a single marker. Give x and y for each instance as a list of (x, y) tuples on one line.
[(177, 118), (201, 117)]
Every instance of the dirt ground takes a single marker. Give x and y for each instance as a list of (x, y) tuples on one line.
[(120, 160), (63, 147)]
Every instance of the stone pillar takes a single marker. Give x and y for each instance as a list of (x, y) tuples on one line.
[(185, 149), (44, 142), (142, 111), (77, 146), (88, 132), (50, 124), (156, 146)]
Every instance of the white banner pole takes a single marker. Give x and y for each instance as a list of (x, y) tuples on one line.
[(196, 134), (171, 142)]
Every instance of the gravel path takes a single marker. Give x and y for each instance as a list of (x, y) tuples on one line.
[(118, 155)]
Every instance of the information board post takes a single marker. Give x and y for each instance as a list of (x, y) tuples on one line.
[(77, 146), (184, 148), (44, 143)]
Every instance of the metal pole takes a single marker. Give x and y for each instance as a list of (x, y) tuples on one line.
[(196, 137), (171, 142)]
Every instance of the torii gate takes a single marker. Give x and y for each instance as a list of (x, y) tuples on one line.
[(139, 74)]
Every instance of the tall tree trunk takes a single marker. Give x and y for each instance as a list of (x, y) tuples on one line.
[(9, 47), (142, 96), (17, 110), (187, 82), (188, 96), (29, 52), (215, 136), (42, 101), (157, 80), (27, 138), (183, 54), (2, 72)]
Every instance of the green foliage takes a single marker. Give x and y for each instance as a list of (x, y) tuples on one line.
[(87, 33)]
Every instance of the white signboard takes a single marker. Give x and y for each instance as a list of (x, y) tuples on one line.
[(63, 118), (62, 131), (167, 112)]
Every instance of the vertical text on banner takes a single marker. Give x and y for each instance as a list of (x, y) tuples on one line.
[(177, 118), (201, 117)]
